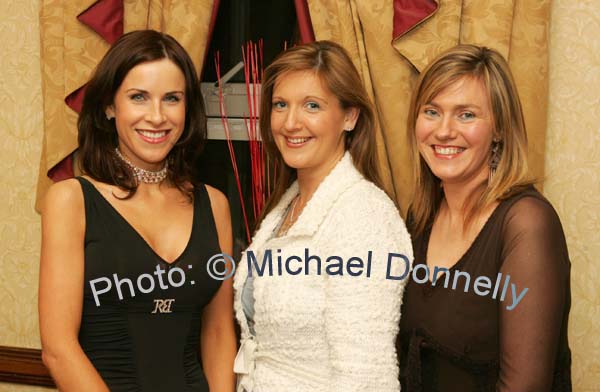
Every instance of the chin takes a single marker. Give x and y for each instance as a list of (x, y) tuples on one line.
[(294, 159), (296, 163)]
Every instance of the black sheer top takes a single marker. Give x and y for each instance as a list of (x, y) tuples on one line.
[(141, 318), (488, 333)]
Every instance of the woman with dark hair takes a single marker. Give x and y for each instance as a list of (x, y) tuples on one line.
[(125, 300), (326, 317), (488, 303)]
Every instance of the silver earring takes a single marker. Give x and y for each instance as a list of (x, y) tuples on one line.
[(496, 153)]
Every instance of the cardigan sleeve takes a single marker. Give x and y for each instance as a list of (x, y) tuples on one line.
[(362, 313)]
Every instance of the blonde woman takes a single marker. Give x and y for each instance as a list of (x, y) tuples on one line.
[(488, 303)]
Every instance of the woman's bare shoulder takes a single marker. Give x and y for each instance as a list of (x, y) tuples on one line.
[(66, 194), (217, 198)]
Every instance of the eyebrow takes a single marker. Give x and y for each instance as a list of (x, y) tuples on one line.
[(318, 98), (455, 107), (146, 92), (308, 97)]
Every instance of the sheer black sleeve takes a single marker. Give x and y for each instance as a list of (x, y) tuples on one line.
[(534, 254)]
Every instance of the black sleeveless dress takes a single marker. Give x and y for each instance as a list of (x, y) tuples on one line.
[(141, 319)]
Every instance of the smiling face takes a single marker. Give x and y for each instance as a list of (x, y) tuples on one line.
[(149, 112), (308, 123), (454, 133)]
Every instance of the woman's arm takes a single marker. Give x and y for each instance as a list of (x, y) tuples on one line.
[(61, 289), (362, 313), (535, 256), (219, 343)]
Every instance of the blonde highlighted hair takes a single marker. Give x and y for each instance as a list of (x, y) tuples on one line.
[(333, 66), (512, 174)]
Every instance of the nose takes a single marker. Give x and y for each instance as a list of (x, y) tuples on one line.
[(156, 113), (446, 129), (292, 120)]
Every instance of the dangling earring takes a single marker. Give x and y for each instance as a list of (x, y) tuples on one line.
[(495, 155)]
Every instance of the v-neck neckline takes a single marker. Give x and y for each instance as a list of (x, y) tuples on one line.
[(141, 237), (468, 251)]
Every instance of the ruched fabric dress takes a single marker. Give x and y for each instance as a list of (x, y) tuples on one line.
[(452, 340), (141, 319)]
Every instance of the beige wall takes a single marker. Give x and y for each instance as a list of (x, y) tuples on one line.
[(572, 176), (21, 135), (573, 170)]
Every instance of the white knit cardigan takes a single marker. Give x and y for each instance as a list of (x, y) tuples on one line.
[(321, 332)]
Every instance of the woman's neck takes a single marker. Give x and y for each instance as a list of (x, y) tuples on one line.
[(306, 188), (309, 179), (457, 195)]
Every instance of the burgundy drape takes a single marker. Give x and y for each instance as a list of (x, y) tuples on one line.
[(304, 23)]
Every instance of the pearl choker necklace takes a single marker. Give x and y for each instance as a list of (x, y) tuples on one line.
[(143, 175)]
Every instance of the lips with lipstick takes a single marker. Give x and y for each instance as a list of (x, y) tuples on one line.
[(152, 136), (297, 141), (447, 152)]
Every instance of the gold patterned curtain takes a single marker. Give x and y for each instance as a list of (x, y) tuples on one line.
[(75, 34), (390, 41)]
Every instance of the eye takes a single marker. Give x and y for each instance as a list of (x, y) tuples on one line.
[(312, 106), (466, 116), (173, 98), (430, 112), (137, 97), (279, 105)]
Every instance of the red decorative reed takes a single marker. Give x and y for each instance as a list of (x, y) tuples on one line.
[(229, 143), (252, 56)]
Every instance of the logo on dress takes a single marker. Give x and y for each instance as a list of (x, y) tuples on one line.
[(163, 305)]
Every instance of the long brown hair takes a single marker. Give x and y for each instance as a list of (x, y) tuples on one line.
[(97, 136), (512, 174), (332, 64)]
